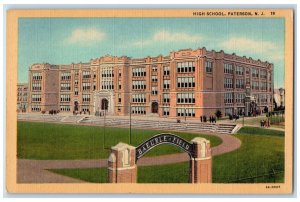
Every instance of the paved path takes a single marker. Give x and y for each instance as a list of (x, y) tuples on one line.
[(34, 171)]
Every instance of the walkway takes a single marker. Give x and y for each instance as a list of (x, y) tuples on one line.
[(35, 171)]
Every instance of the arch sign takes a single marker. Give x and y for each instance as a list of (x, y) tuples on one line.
[(122, 161), (163, 139)]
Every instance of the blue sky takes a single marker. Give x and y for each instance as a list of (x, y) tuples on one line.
[(67, 40)]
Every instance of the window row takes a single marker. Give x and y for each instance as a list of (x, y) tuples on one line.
[(138, 98), (185, 66), (65, 108), (185, 98), (109, 85), (185, 82), (228, 83), (228, 98), (37, 76), (107, 73), (35, 108), (138, 110), (86, 98), (239, 83), (141, 71), (185, 112), (65, 86), (139, 84), (36, 98), (239, 98), (85, 108), (65, 98), (86, 74), (65, 76), (36, 87)]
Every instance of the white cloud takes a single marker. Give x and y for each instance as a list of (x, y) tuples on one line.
[(246, 45), (166, 36), (85, 36)]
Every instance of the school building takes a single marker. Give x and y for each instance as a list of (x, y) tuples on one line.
[(186, 83)]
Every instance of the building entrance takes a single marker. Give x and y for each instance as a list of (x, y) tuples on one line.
[(154, 107)]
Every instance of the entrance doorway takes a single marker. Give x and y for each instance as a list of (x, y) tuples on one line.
[(76, 106), (154, 107), (104, 104)]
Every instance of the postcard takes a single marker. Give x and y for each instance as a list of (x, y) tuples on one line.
[(150, 101)]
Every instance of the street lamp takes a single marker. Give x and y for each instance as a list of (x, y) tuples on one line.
[(129, 122)]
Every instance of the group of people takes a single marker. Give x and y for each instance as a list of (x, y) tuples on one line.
[(265, 123), (212, 119)]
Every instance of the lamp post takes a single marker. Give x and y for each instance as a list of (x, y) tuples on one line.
[(104, 106), (129, 122)]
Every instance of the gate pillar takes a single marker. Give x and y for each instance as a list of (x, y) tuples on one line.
[(201, 162), (121, 164)]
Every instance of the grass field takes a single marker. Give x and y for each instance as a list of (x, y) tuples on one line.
[(276, 121), (63, 141), (260, 131), (260, 155)]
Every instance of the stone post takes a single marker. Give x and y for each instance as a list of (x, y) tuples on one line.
[(201, 163), (121, 164)]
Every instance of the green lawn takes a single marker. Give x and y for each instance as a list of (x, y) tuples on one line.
[(276, 121), (260, 131), (259, 155), (64, 141)]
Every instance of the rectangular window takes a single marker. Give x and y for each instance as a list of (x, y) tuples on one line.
[(166, 70), (86, 86), (208, 66), (86, 74), (65, 108), (86, 98), (185, 82), (185, 112), (65, 98), (228, 83), (228, 98), (36, 98), (186, 66), (166, 84), (228, 68), (65, 86), (185, 98), (65, 76), (138, 110), (154, 90), (166, 98), (37, 76), (166, 111), (154, 78)]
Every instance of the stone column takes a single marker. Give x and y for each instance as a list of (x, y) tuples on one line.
[(201, 163), (121, 164)]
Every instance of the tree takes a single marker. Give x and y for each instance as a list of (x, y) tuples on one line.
[(218, 114)]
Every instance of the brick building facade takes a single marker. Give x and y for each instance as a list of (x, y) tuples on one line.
[(22, 97), (186, 83)]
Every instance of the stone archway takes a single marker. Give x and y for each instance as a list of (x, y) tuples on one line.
[(154, 107), (122, 161)]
